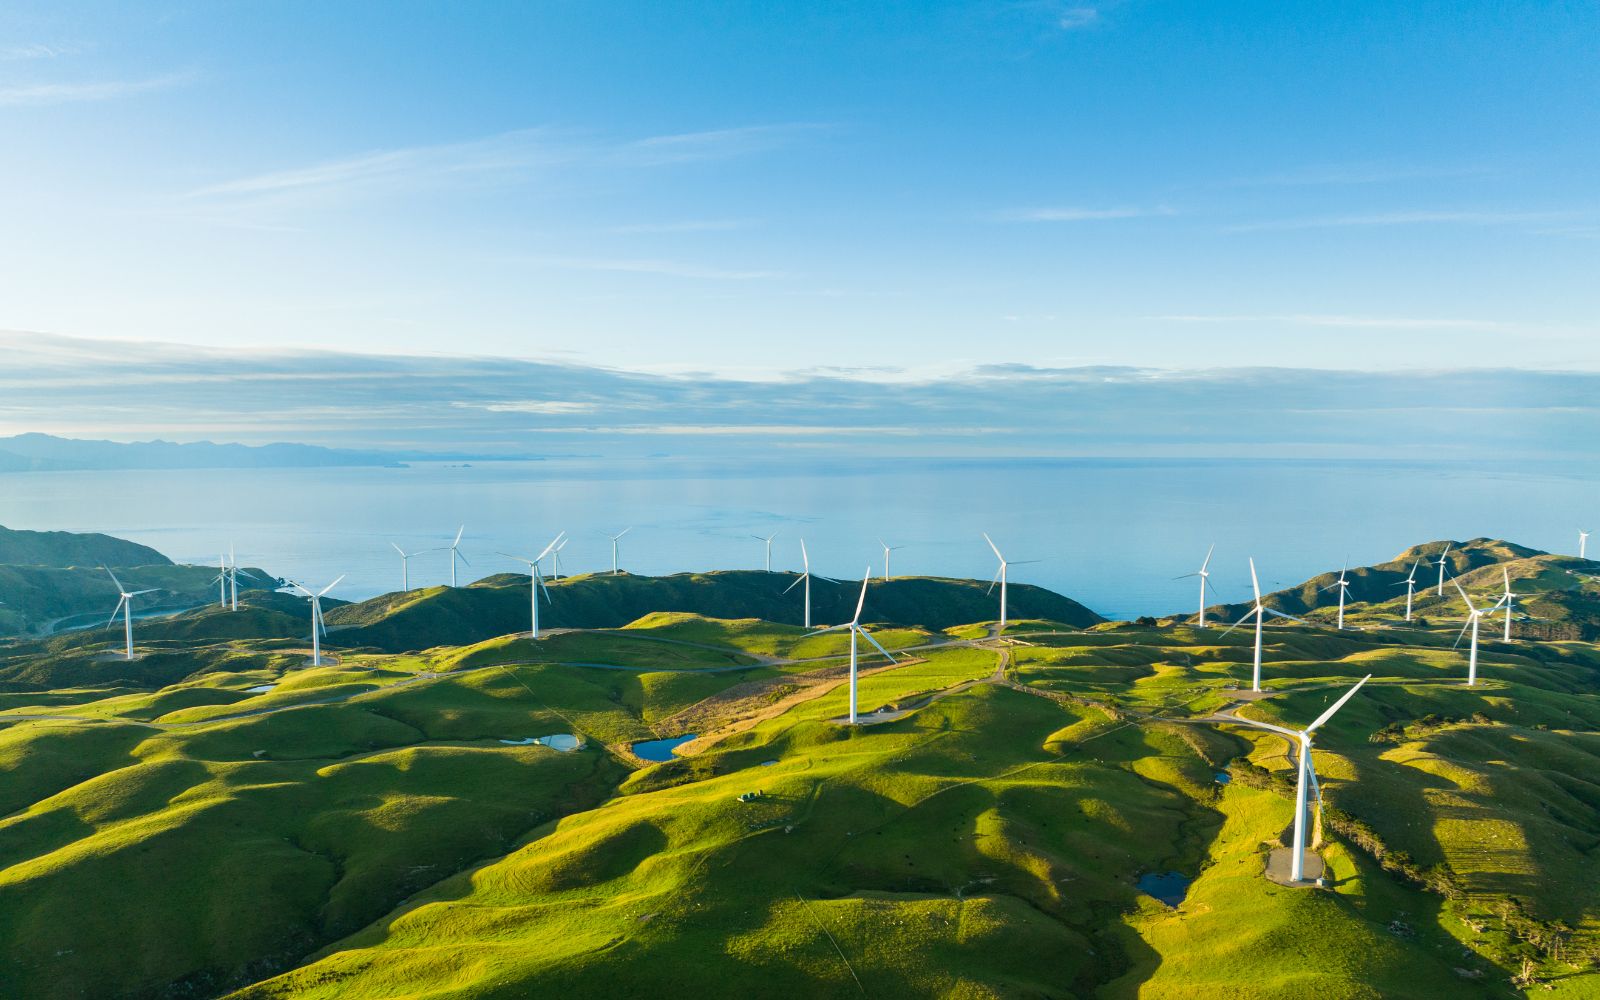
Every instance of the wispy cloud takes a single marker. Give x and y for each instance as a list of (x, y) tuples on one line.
[(1431, 217), (671, 268), (1077, 214), (1334, 320), (1071, 18), (45, 94), (500, 157), (37, 50), (1341, 174)]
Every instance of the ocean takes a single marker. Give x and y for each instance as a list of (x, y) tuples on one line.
[(1111, 533)]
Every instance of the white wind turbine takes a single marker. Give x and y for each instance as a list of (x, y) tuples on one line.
[(317, 626), (1343, 583), (805, 578), (222, 580), (1583, 544), (125, 605), (1204, 573), (536, 577), (555, 559), (887, 548), (405, 565), (854, 625), (1259, 613), (455, 553), (1307, 776), (768, 540), (1000, 576), (233, 576), (614, 540), (1442, 567), (1507, 599), (1410, 583), (1475, 615)]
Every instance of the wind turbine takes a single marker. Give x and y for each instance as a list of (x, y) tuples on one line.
[(455, 553), (768, 540), (317, 626), (125, 605), (1000, 578), (1260, 613), (854, 625), (222, 580), (233, 575), (405, 565), (536, 577), (1506, 600), (805, 578), (887, 548), (1441, 567), (1410, 583), (1583, 544), (1307, 776), (614, 540), (1344, 588), (1204, 573), (555, 559), (1475, 615)]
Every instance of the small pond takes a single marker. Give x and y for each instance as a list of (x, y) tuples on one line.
[(659, 750), (1169, 887), (769, 763), (563, 742), (264, 688), (1223, 777)]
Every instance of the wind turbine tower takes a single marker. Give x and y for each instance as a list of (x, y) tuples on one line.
[(614, 540), (125, 605), (856, 631)]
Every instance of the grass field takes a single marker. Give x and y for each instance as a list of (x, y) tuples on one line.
[(372, 829)]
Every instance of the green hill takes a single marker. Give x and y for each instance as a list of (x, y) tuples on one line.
[(67, 548), (498, 605), (384, 826)]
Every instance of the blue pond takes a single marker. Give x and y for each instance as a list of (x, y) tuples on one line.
[(1223, 777), (1169, 887), (659, 750)]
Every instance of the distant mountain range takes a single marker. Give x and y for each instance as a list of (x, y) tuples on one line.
[(47, 453)]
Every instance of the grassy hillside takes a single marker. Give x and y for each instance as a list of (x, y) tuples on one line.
[(499, 605), (379, 827), (67, 548)]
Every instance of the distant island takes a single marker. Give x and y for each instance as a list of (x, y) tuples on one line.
[(47, 453)]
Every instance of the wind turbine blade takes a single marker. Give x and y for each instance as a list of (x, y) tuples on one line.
[(399, 550), (796, 583), (1207, 562), (333, 584), (1279, 614), (624, 531), (1464, 596), (830, 628), (1255, 581), (120, 588), (1461, 634), (862, 600), (136, 593), (1236, 624), (1024, 562), (458, 555), (549, 548), (116, 611), (804, 558), (1325, 716), (868, 636), (993, 546)]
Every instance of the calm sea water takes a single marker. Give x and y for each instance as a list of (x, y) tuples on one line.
[(1110, 533)]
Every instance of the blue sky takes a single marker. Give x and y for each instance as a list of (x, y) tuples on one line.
[(909, 189)]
